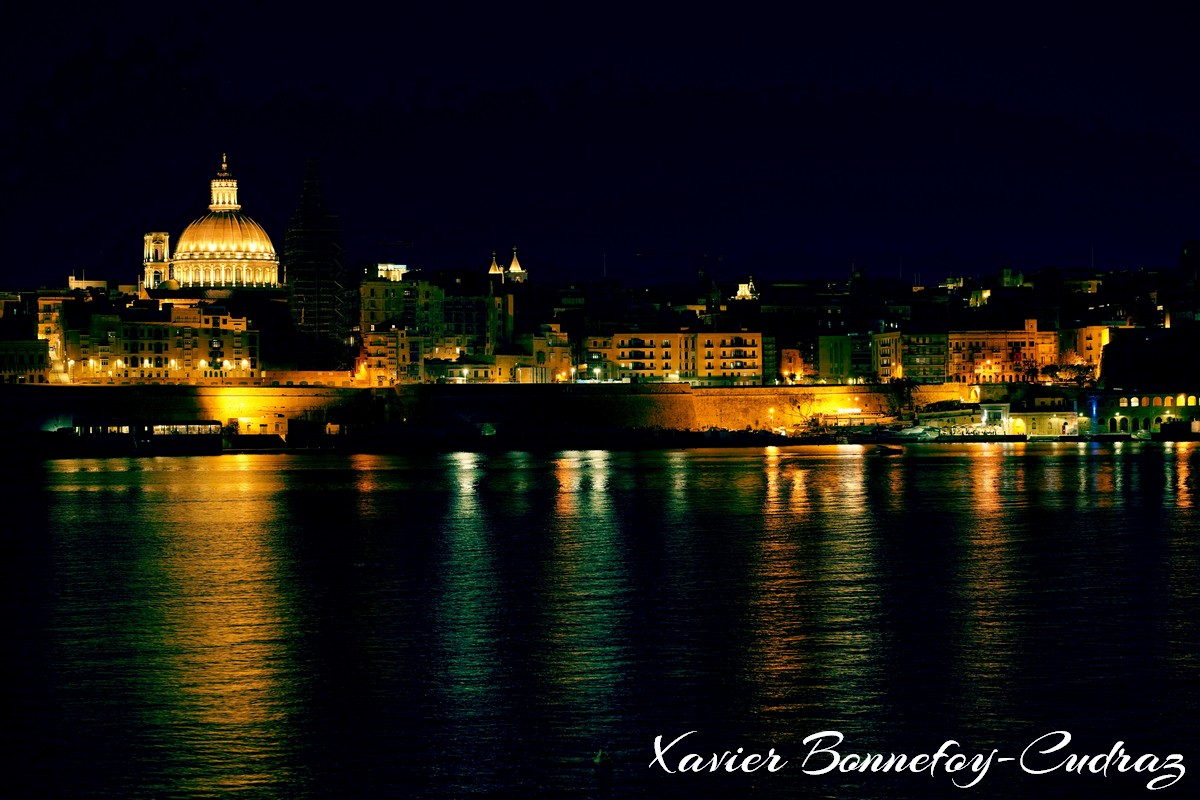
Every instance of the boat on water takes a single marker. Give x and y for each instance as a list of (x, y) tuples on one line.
[(914, 433)]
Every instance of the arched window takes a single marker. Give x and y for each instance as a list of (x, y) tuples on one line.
[(1124, 424), (1133, 401), (1191, 399), (1167, 401), (1145, 401), (1146, 424), (1181, 400), (1112, 425), (1158, 422), (1158, 401), (1125, 402)]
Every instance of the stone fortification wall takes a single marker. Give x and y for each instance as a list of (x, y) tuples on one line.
[(538, 408), (515, 407), (790, 406), (47, 408)]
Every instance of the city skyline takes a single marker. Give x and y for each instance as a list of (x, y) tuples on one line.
[(637, 148)]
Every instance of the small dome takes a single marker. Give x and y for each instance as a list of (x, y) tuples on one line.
[(169, 284)]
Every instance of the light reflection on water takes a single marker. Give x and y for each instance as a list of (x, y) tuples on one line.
[(442, 626)]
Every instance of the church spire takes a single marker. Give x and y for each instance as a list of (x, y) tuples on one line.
[(515, 273)]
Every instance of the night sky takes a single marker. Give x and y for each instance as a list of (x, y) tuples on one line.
[(930, 141)]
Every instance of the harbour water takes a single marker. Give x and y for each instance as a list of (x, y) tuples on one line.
[(471, 625)]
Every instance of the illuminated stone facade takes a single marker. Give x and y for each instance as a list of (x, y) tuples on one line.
[(51, 326), (177, 345), (1128, 412), (1000, 356), (919, 357), (1088, 343), (395, 356), (704, 359)]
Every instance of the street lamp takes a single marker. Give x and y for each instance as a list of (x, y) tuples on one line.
[(597, 372)]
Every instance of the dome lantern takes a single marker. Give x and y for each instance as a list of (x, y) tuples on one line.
[(224, 189)]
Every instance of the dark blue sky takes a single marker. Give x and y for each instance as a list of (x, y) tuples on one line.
[(935, 141)]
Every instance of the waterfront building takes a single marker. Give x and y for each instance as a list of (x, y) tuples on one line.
[(414, 304), (918, 356), (833, 359), (728, 359), (172, 344), (999, 355), (51, 326), (392, 355), (655, 356), (793, 367), (545, 357), (378, 357), (700, 358), (24, 361), (885, 356), (1086, 343), (1129, 412), (396, 355), (923, 356)]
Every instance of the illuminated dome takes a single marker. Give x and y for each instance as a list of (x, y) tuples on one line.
[(225, 247)]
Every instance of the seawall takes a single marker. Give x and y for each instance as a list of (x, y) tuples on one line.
[(506, 407)]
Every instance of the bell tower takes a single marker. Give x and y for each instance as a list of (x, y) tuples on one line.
[(156, 265)]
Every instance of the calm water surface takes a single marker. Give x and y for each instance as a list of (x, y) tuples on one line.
[(472, 625)]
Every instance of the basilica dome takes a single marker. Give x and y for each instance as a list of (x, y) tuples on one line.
[(225, 247)]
